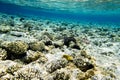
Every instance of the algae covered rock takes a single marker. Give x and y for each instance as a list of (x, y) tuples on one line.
[(16, 47), (58, 43), (67, 40), (8, 67), (7, 77), (3, 54), (37, 46), (83, 65), (27, 73), (4, 28), (74, 45), (32, 56), (49, 35), (54, 65), (60, 75)]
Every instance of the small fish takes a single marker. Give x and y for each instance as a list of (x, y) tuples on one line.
[(68, 57)]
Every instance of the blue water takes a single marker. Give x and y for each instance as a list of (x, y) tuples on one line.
[(93, 13)]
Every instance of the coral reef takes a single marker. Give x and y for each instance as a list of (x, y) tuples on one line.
[(17, 47), (47, 50)]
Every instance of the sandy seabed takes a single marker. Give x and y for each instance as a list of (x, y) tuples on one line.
[(36, 49)]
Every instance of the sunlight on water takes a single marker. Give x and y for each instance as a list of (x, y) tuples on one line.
[(105, 11), (112, 6)]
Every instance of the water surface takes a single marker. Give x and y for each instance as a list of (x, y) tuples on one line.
[(84, 11)]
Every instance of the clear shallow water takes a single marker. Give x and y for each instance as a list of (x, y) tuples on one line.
[(84, 11)]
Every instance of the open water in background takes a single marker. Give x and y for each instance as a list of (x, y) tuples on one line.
[(89, 11)]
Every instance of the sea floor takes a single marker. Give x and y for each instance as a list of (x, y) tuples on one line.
[(36, 49)]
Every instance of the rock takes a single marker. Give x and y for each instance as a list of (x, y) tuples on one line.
[(112, 35), (64, 24), (85, 55), (17, 34), (82, 65), (67, 40), (32, 56), (47, 43), (54, 65), (50, 36), (60, 75), (59, 29), (4, 29), (7, 77), (42, 60), (8, 67), (28, 26), (27, 73), (48, 48), (58, 43), (16, 47), (87, 75), (107, 53), (3, 54), (21, 19), (37, 46), (74, 45)]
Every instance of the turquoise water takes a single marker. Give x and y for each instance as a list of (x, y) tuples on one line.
[(83, 11)]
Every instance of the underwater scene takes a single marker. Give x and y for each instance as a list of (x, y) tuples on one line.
[(59, 39)]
